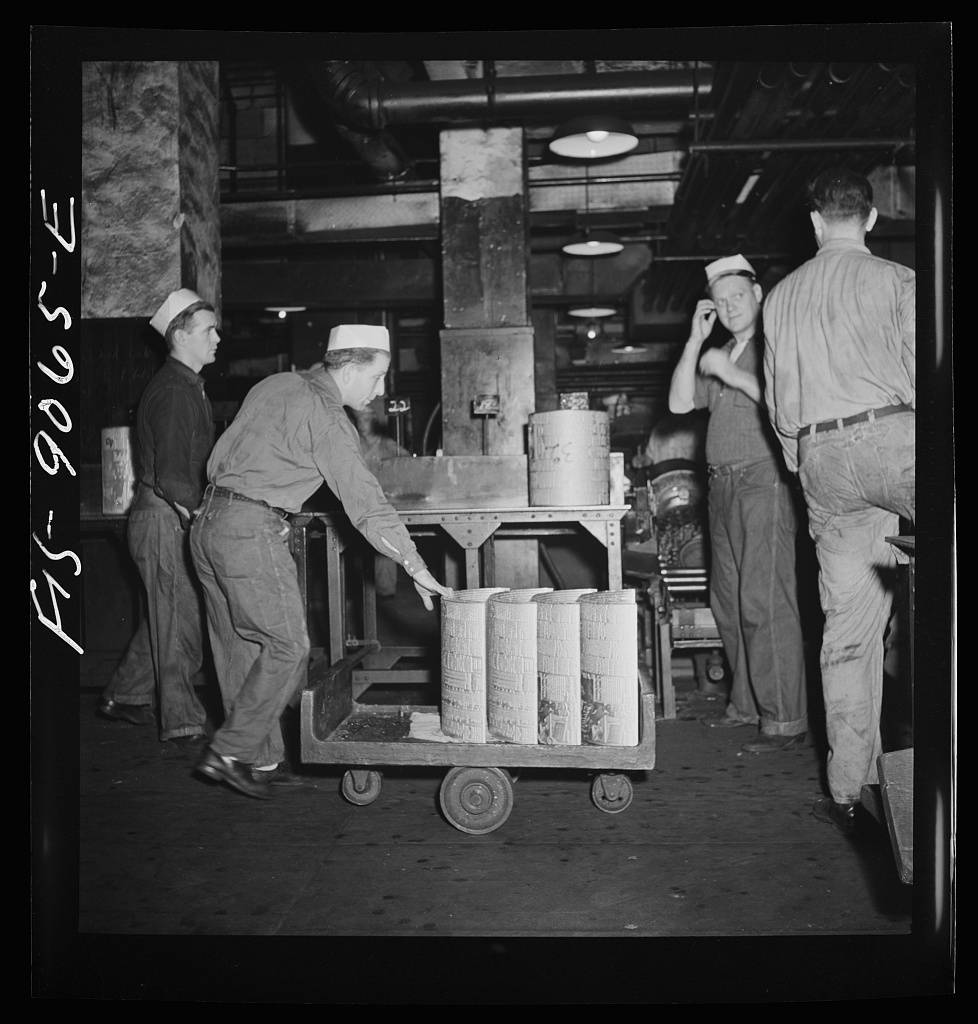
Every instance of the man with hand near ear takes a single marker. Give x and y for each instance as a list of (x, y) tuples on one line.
[(752, 517), (290, 436)]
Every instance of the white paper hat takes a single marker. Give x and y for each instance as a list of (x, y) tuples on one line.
[(728, 265), (358, 336), (174, 304)]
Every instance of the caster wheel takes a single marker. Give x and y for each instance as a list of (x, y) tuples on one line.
[(361, 787), (612, 793), (476, 800)]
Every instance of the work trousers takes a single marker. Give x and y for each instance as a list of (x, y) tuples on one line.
[(858, 481), (754, 594), (166, 652), (256, 621)]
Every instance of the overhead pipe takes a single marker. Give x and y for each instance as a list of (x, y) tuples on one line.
[(367, 103), (734, 146), (610, 179)]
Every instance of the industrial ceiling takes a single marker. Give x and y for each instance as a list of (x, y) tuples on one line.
[(326, 164)]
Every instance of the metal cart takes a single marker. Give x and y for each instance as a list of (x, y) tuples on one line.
[(476, 794)]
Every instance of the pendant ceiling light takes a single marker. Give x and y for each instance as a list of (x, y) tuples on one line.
[(590, 138), (588, 242), (593, 243), (628, 349), (283, 311), (592, 310)]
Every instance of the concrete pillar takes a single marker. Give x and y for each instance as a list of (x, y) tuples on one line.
[(545, 360), (484, 242), (487, 343), (150, 187)]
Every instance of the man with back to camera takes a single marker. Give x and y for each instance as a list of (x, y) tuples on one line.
[(752, 517), (291, 435), (840, 346), (174, 435)]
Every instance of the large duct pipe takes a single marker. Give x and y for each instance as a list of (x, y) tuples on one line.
[(369, 103), (379, 151)]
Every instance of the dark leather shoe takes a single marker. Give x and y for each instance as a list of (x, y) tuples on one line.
[(235, 773), (843, 816), (281, 775), (188, 743), (136, 714), (767, 744), (726, 721)]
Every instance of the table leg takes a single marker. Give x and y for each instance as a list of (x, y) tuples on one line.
[(471, 568), (667, 690), (298, 545), (613, 544), (488, 563), (335, 592), (370, 596)]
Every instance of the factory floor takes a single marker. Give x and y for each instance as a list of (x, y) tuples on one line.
[(716, 883)]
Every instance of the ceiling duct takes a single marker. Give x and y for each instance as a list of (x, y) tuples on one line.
[(380, 152), (378, 149), (367, 103)]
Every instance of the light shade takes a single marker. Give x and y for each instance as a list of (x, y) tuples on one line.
[(590, 138), (628, 349), (592, 312), (593, 243)]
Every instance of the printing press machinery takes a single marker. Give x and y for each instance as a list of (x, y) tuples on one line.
[(665, 556)]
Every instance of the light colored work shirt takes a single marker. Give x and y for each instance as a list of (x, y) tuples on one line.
[(292, 435), (839, 340)]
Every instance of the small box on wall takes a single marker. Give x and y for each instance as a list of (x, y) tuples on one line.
[(575, 400), (118, 471)]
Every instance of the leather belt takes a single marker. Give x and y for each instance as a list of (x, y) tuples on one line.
[(848, 421), (727, 469), (224, 492)]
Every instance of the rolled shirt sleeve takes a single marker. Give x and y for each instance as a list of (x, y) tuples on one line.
[(786, 435), (337, 455)]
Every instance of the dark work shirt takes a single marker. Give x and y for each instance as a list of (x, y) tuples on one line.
[(291, 435), (174, 435), (738, 429)]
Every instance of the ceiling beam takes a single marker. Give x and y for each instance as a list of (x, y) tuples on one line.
[(333, 283), (284, 221)]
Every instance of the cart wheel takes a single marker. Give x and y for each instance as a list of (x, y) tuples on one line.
[(612, 793), (361, 787), (476, 800)]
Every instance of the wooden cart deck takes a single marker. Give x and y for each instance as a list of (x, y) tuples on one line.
[(338, 730), (476, 794)]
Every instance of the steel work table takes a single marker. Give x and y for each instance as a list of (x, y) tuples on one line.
[(474, 530)]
